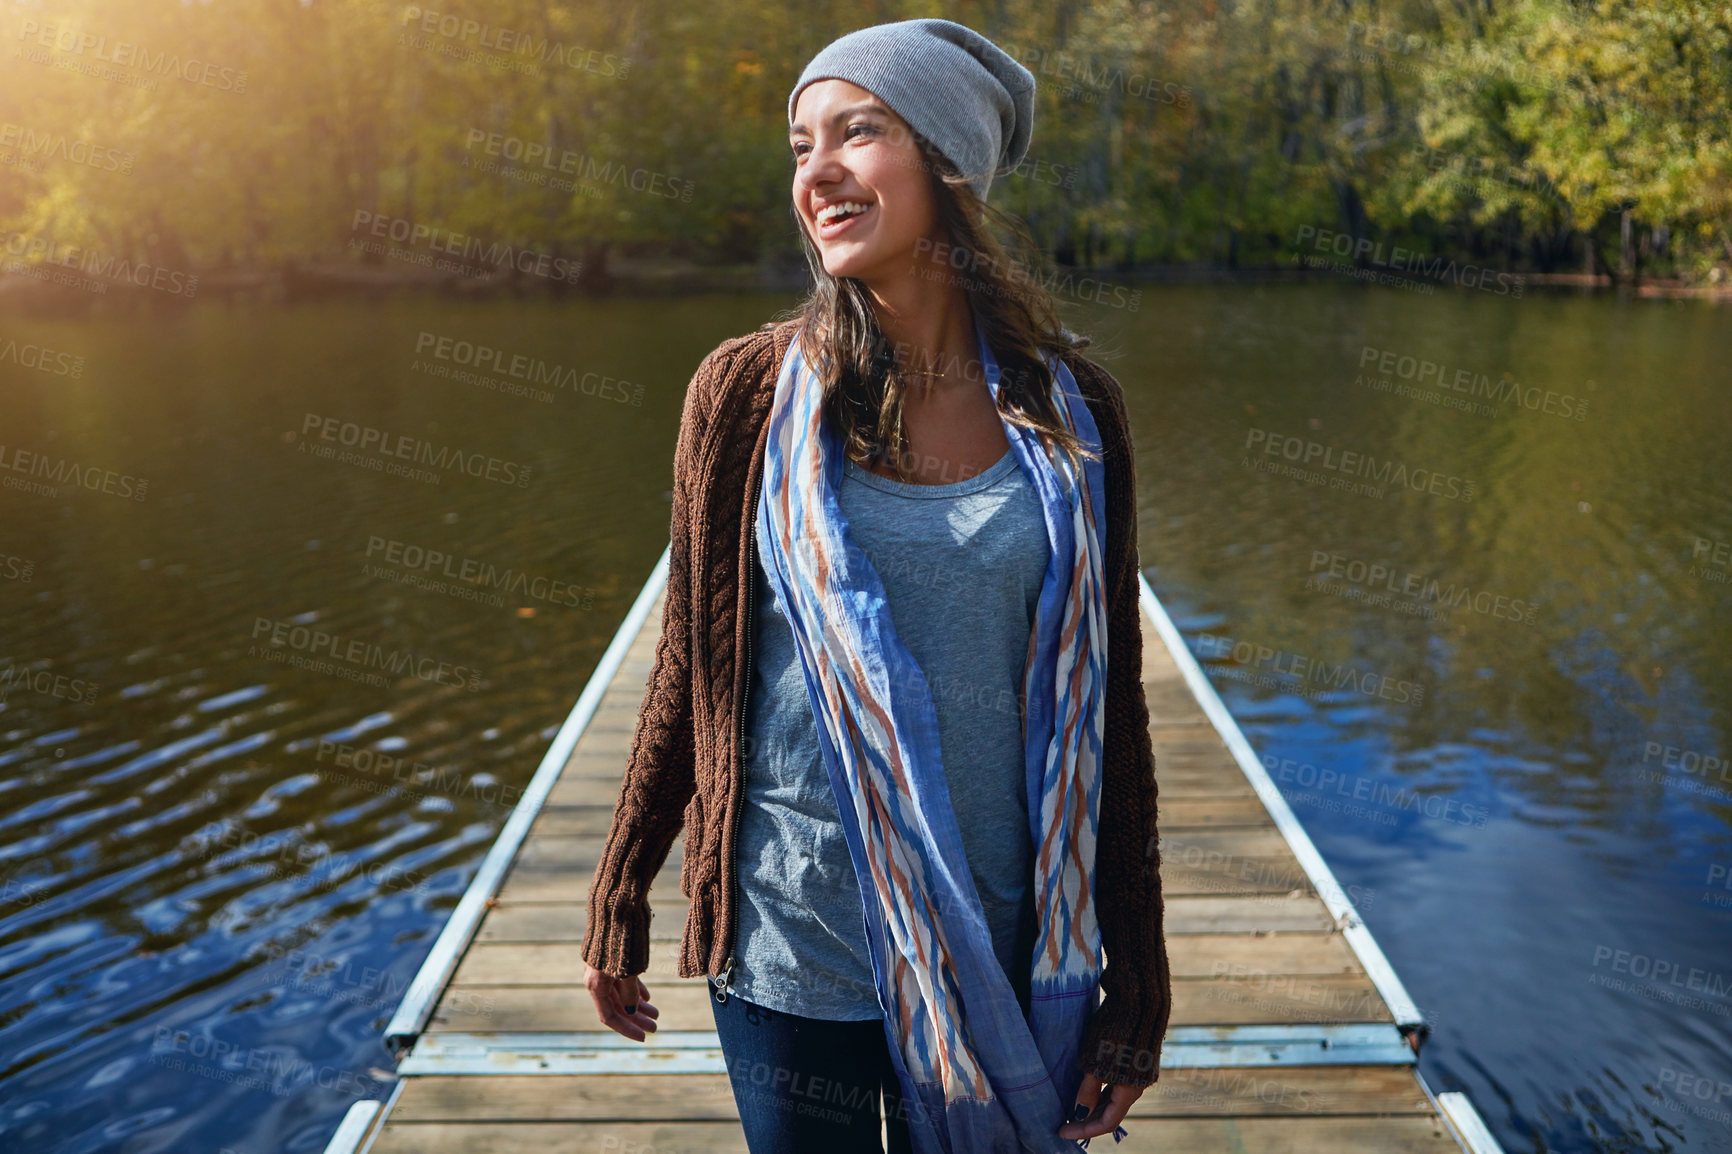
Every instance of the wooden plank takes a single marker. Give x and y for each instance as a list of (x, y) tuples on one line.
[(1250, 877), (605, 741), (567, 921), (549, 964), (560, 869), (1173, 712), (1172, 773), (1190, 726), (1318, 1135), (560, 1138), (1197, 843), (1233, 1000), (1174, 777), (631, 678), (1185, 812), (551, 921), (1218, 761), (1288, 1090), (554, 884), (574, 821), (1185, 796), (586, 790), (1326, 1135), (1192, 744), (1311, 1135), (544, 851), (1199, 837), (617, 715), (557, 1098), (1269, 1093), (1266, 998), (1188, 955), (564, 1009), (1245, 915), (1239, 878), (1206, 955), (604, 767)]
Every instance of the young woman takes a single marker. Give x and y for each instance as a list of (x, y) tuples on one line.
[(897, 699)]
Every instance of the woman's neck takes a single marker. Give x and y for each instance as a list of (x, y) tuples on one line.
[(930, 327)]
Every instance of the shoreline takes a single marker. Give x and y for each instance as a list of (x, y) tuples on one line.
[(293, 283)]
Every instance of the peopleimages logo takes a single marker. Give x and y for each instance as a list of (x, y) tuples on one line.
[(63, 472), (471, 571), (1363, 248), (1378, 793), (1719, 558), (579, 166), (43, 681), (1473, 383), (521, 366), (366, 438), (470, 251), (1388, 577), (511, 42), (1308, 671), (122, 54), (40, 358), (1315, 454), (58, 146), (288, 635), (33, 251)]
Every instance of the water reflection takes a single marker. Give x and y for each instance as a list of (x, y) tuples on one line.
[(1521, 765), (264, 737), (244, 782)]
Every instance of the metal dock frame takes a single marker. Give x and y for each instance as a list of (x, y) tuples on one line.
[(699, 1052)]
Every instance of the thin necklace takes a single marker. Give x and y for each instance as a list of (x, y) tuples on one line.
[(906, 372), (917, 372)]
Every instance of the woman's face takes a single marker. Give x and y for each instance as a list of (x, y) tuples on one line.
[(850, 148)]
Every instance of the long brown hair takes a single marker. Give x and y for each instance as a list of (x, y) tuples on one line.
[(863, 392)]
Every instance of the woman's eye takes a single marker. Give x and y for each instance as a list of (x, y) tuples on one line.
[(800, 148)]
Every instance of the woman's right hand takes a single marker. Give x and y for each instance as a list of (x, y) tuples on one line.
[(622, 1004)]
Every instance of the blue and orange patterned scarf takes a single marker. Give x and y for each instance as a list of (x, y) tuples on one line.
[(976, 1074)]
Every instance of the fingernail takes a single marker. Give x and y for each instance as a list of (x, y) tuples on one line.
[(1079, 1114), (631, 1009)]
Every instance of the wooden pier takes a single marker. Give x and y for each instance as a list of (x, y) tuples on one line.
[(1290, 1033)]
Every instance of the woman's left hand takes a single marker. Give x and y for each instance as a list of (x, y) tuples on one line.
[(1101, 1119)]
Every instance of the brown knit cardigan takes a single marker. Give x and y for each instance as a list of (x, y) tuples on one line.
[(684, 764)]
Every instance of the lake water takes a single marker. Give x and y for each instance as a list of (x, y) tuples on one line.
[(1507, 521)]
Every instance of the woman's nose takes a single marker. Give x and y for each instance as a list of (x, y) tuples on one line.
[(820, 166)]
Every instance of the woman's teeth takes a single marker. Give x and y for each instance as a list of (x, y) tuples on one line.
[(833, 212)]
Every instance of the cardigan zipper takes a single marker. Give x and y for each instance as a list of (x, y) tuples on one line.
[(727, 976)]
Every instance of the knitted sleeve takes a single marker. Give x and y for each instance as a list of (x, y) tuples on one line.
[(660, 770), (1122, 1043)]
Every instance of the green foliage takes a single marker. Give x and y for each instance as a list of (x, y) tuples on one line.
[(1206, 131)]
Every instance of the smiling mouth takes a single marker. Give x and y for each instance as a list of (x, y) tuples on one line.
[(836, 217)]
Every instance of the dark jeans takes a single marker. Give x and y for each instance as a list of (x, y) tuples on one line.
[(805, 1084)]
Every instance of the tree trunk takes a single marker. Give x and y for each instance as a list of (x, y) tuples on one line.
[(594, 277), (1626, 248)]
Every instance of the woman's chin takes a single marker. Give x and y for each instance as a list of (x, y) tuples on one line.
[(860, 266), (845, 264)]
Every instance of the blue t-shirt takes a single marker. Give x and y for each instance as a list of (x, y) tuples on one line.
[(962, 566)]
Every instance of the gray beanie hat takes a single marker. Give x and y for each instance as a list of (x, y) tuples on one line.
[(951, 84)]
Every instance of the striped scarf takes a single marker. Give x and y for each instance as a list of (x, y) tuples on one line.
[(976, 1075)]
